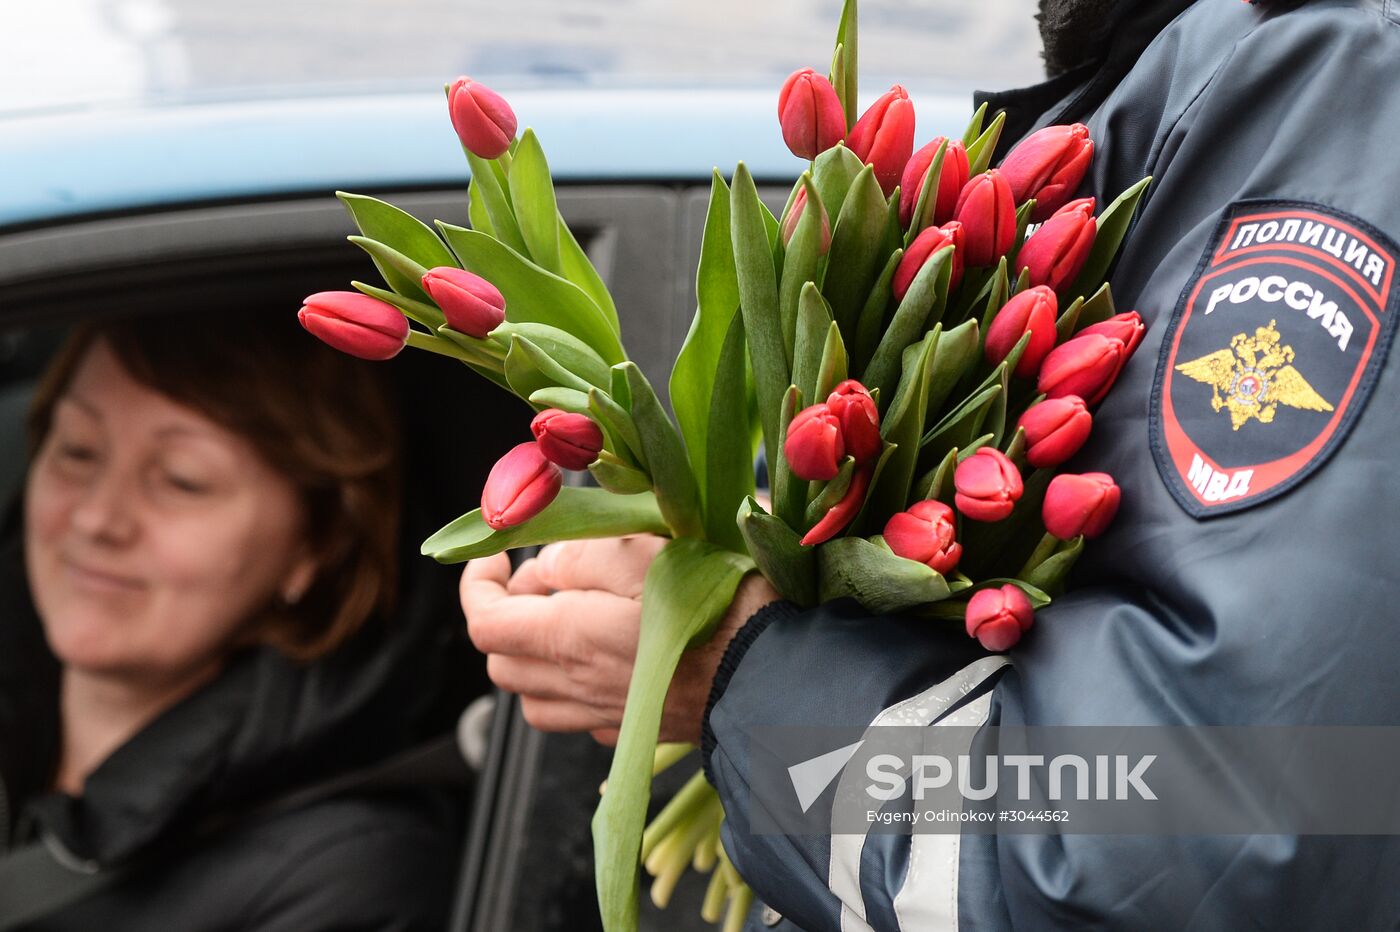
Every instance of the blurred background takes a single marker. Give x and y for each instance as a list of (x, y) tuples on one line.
[(72, 53)]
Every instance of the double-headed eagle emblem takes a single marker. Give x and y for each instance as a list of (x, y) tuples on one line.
[(1254, 376)]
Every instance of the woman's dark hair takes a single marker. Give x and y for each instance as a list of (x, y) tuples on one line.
[(324, 420)]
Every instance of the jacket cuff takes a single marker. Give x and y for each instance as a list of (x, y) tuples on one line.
[(733, 655)]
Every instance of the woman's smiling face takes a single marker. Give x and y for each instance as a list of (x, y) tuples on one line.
[(153, 535)]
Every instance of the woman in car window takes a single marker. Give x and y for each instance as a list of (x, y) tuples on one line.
[(209, 539)]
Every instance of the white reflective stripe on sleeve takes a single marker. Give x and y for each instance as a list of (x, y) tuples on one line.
[(843, 873), (929, 898)]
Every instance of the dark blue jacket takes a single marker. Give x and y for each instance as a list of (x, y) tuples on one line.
[(1251, 574)]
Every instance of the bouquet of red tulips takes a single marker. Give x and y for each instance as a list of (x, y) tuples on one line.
[(912, 356)]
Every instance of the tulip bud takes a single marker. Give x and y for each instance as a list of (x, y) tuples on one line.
[(482, 118), (924, 246), (987, 211), (810, 114), (998, 617), (843, 511), (1054, 254), (1085, 366), (519, 487), (1032, 311), (568, 440), (884, 137), (471, 304), (859, 418), (814, 448), (1080, 504), (986, 485), (1055, 430), (355, 323), (794, 217), (1048, 165), (951, 178), (925, 534), (1127, 328)]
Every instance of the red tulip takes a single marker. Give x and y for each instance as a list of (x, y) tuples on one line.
[(471, 304), (884, 137), (1033, 311), (987, 211), (810, 114), (859, 418), (1056, 252), (1127, 328), (951, 179), (925, 534), (843, 511), (1055, 430), (1085, 366), (482, 118), (998, 617), (987, 485), (1048, 165), (519, 487), (355, 323), (924, 246), (794, 217), (1080, 504), (566, 439), (814, 448)]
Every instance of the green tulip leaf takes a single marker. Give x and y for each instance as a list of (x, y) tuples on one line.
[(833, 369), (800, 264), (575, 265), (922, 306), (813, 322), (871, 325), (490, 182), (565, 399), (1051, 574), (617, 421), (833, 173), (400, 272), (789, 492), (717, 304), (979, 151), (477, 214), (847, 38), (677, 494), (775, 546), (855, 258), (417, 311), (729, 466), (562, 347), (576, 513), (1113, 225), (1000, 548), (534, 294), (758, 302), (937, 483), (618, 476), (928, 196), (529, 368), (974, 126), (901, 425), (399, 230), (1068, 321), (872, 574), (532, 197), (1097, 309), (687, 590), (832, 491)]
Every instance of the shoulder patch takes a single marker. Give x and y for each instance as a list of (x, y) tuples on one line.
[(1271, 353)]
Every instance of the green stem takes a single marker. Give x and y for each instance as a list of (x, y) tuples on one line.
[(1042, 552)]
